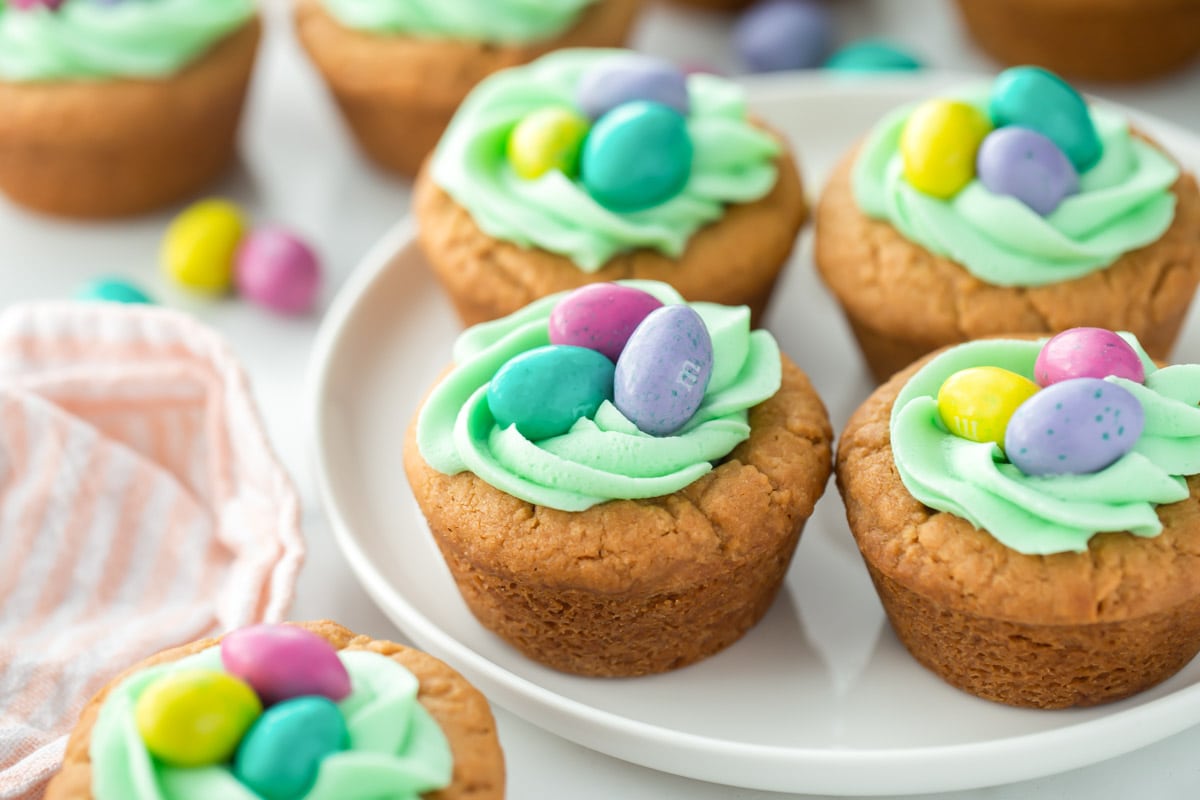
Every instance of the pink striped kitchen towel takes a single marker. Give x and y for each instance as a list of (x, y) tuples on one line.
[(141, 507)]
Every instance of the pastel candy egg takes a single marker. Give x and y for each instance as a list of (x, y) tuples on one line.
[(976, 403), (872, 55), (939, 144), (1024, 164), (112, 290), (1040, 100), (664, 370), (28, 5), (783, 34), (544, 391), (1078, 426), (601, 317), (281, 755), (199, 246), (547, 139), (1087, 353), (284, 661), (195, 717), (637, 156), (277, 270), (625, 78)]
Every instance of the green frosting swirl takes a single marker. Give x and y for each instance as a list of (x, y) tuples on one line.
[(483, 20), (606, 457), (86, 39), (1039, 515), (397, 751), (1124, 203), (733, 162)]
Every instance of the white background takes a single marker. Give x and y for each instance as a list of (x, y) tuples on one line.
[(299, 168)]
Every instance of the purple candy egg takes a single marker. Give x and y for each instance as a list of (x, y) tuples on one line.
[(1078, 426), (282, 661), (600, 316), (628, 77), (1087, 353), (783, 34), (664, 370), (1024, 164), (276, 269)]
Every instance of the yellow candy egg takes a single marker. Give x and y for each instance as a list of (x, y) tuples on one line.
[(549, 138), (195, 717), (938, 145), (200, 244), (977, 403)]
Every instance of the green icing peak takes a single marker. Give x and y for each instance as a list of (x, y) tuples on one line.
[(503, 21)]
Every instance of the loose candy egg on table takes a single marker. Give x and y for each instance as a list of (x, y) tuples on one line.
[(939, 144), (637, 156), (195, 718), (278, 270), (1087, 353), (601, 317), (778, 35), (1034, 98), (283, 661), (1078, 426), (112, 290), (872, 55), (664, 370), (282, 753), (977, 403), (547, 139), (1022, 163), (544, 391), (624, 78), (199, 246)]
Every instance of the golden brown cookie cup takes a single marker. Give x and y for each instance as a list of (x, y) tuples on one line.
[(459, 709), (1070, 629), (97, 149), (398, 93), (902, 301)]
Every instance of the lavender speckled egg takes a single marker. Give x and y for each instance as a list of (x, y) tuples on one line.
[(664, 370), (1087, 353), (600, 317), (1078, 426), (544, 391), (1024, 164), (783, 34), (628, 77), (282, 661)]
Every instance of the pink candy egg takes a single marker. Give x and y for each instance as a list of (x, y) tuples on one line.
[(277, 270), (601, 317), (282, 661), (1087, 353), (31, 4)]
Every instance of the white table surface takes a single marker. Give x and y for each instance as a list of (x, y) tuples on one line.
[(299, 168)]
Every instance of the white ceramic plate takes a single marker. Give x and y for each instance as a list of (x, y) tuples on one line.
[(820, 697)]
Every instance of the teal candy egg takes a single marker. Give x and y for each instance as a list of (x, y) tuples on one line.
[(1040, 100), (112, 290), (281, 755), (545, 390), (872, 55), (637, 156)]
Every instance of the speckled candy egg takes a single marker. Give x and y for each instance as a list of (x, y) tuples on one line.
[(1024, 164), (600, 317), (547, 139), (195, 717), (1078, 426), (872, 55), (938, 145), (27, 5), (664, 370), (783, 34), (1040, 100), (1087, 353), (276, 269), (637, 156), (281, 755), (112, 290), (977, 403), (199, 246), (544, 391), (628, 77), (283, 661)]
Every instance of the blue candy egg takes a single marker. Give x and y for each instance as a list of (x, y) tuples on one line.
[(1040, 100), (664, 370), (628, 77), (637, 156), (1024, 164), (872, 55), (776, 35), (1077, 426), (112, 290), (544, 391), (281, 754)]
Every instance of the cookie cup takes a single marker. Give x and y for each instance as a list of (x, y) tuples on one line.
[(459, 709), (97, 149), (1069, 629), (633, 587)]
